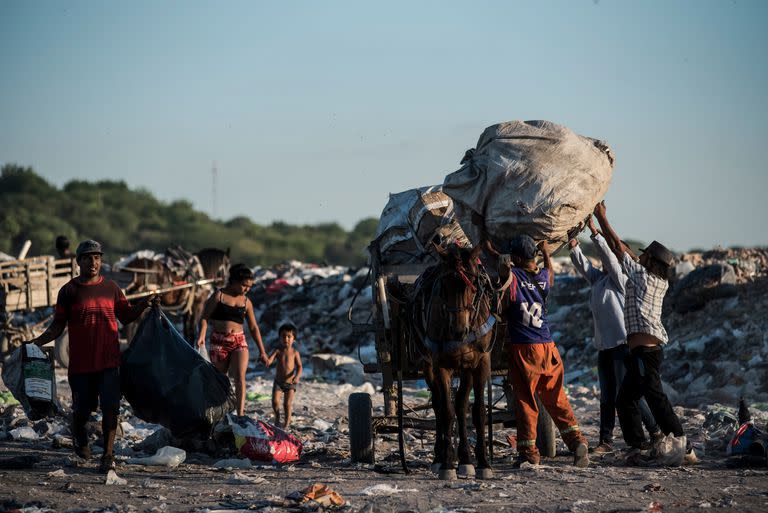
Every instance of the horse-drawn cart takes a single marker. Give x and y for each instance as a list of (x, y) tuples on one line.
[(397, 360)]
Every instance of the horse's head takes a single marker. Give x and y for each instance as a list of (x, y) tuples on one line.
[(456, 292), (215, 263)]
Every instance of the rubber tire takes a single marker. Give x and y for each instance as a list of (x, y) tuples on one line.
[(61, 349), (545, 433), (361, 436)]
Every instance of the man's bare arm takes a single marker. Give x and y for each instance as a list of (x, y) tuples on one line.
[(613, 240), (51, 333), (544, 247)]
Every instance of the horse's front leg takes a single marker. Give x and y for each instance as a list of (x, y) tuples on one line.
[(438, 455), (466, 468), (482, 374), (445, 424)]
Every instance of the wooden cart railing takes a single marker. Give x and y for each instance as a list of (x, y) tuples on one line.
[(33, 282)]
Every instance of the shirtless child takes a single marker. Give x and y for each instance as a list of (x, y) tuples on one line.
[(288, 372)]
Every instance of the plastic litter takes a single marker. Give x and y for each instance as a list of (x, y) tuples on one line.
[(385, 489), (671, 450), (114, 479), (57, 473), (167, 456), (233, 463), (24, 433), (319, 493), (28, 374), (259, 440), (167, 382), (239, 478)]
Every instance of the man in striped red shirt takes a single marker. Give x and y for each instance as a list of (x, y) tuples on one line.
[(90, 306)]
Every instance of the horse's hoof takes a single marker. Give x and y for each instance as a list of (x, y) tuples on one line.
[(485, 473), (467, 471), (435, 468), (447, 474)]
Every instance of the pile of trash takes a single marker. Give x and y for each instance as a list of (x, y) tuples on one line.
[(718, 349), (716, 315)]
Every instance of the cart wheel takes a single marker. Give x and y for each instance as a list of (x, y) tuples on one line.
[(361, 428), (61, 349), (545, 432)]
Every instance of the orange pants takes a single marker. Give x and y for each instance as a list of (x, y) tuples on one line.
[(537, 369)]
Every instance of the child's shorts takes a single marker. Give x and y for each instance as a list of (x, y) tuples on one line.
[(284, 386), (224, 344)]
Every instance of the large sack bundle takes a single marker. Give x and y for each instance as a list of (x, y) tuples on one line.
[(410, 220), (28, 374), (533, 177), (168, 382)]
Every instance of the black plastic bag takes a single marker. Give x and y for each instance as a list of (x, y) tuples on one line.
[(167, 382), (28, 374)]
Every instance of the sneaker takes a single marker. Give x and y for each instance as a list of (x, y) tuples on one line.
[(690, 457), (581, 455), (603, 448), (107, 463)]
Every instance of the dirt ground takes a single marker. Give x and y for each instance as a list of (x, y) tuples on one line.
[(607, 485)]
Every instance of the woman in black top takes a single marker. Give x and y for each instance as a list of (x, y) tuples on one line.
[(227, 309)]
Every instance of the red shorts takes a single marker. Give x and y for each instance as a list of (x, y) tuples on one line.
[(224, 344)]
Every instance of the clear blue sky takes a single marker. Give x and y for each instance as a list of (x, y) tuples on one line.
[(315, 111)]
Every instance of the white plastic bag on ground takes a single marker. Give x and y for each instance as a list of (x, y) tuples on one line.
[(671, 451), (166, 456), (533, 177)]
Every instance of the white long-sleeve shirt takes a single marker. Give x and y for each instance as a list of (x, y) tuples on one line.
[(606, 295)]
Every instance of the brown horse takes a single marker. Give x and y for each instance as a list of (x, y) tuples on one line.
[(454, 301)]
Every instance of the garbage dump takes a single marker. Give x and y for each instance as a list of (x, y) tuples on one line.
[(166, 381), (717, 352)]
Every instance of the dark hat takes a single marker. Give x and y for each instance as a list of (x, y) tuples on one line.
[(660, 252), (88, 246), (522, 246)]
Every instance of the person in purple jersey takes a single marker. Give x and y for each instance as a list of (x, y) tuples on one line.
[(535, 366)]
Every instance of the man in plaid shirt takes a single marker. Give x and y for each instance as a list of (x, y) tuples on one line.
[(645, 289)]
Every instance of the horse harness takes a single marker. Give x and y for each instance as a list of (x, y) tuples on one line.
[(484, 289)]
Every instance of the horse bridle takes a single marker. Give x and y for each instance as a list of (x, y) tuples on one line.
[(480, 282)]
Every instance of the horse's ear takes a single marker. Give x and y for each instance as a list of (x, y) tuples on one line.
[(227, 252)]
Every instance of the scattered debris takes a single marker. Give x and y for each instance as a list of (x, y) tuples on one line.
[(114, 479), (167, 456)]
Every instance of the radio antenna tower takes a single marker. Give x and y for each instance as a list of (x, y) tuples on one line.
[(214, 176)]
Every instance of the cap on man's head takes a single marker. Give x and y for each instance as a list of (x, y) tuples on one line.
[(522, 246), (88, 246), (660, 252)]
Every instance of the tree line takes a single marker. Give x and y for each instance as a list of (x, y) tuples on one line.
[(125, 220)]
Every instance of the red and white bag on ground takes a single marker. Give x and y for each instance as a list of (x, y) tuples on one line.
[(261, 441)]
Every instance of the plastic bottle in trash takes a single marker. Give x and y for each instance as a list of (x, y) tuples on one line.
[(744, 415)]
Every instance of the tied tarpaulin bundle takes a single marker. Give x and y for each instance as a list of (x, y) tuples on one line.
[(409, 222), (168, 382), (261, 441), (533, 177), (28, 374)]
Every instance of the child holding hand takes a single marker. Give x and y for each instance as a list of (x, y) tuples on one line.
[(287, 373)]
